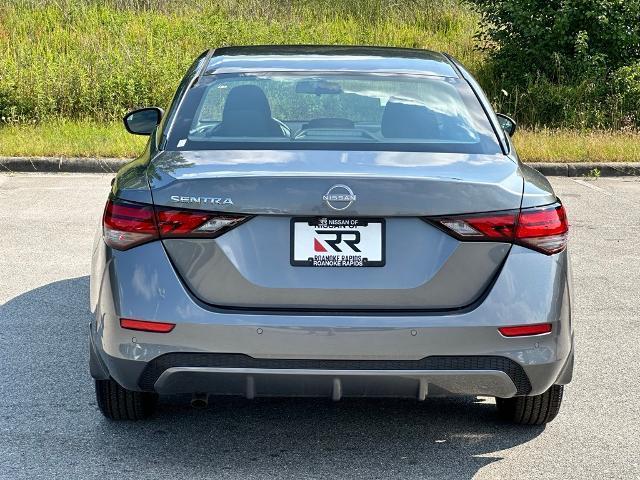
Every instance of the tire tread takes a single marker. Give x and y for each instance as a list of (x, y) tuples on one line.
[(532, 410), (117, 403)]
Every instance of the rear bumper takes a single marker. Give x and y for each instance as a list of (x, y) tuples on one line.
[(250, 382), (255, 353), (243, 375), (228, 374)]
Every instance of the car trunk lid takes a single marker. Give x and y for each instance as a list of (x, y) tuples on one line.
[(294, 182), (251, 265)]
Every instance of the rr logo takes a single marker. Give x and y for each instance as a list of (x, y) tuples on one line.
[(339, 237)]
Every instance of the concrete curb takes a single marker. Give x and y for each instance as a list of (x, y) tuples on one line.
[(109, 165), (61, 164), (606, 169)]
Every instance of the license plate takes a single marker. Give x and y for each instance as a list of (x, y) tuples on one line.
[(337, 242)]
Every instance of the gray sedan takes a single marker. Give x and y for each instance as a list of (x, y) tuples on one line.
[(330, 221)]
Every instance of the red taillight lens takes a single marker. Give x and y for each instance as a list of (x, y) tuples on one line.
[(188, 223), (127, 224), (497, 226), (524, 330), (544, 229), (146, 326)]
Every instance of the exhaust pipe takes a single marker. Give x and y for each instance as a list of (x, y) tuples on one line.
[(200, 400)]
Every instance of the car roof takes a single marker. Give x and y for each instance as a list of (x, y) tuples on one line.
[(329, 58)]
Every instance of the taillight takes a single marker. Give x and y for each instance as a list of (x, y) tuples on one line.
[(544, 229), (187, 223), (127, 224), (496, 226)]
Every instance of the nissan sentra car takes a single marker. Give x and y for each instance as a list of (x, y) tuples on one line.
[(330, 222)]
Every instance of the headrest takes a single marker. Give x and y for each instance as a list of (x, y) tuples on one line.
[(408, 120), (246, 98)]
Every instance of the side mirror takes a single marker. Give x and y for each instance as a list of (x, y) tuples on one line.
[(142, 121), (508, 124)]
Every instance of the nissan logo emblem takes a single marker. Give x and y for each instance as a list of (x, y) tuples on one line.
[(339, 197)]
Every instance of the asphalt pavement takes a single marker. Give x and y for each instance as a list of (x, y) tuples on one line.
[(50, 426)]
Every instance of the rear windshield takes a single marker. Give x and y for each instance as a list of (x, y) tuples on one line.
[(332, 111)]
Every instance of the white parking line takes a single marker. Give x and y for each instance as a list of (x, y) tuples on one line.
[(591, 186)]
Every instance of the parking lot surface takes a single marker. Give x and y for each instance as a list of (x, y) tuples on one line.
[(50, 426)]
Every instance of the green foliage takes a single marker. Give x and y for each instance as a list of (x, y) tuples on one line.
[(626, 89), (552, 61), (560, 40), (592, 174)]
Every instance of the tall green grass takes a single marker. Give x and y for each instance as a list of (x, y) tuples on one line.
[(94, 60)]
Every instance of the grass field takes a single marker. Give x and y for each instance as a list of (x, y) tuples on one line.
[(89, 59), (100, 139), (564, 145), (69, 69)]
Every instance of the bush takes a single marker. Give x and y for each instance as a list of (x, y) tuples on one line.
[(562, 63), (560, 40), (626, 87)]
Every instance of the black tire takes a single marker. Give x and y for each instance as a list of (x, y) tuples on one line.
[(534, 410), (118, 403)]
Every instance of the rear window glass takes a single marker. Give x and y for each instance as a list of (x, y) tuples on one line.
[(328, 111)]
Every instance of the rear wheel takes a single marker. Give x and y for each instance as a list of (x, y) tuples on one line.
[(534, 410), (118, 403)]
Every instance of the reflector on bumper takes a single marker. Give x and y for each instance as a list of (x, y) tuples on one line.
[(145, 326)]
